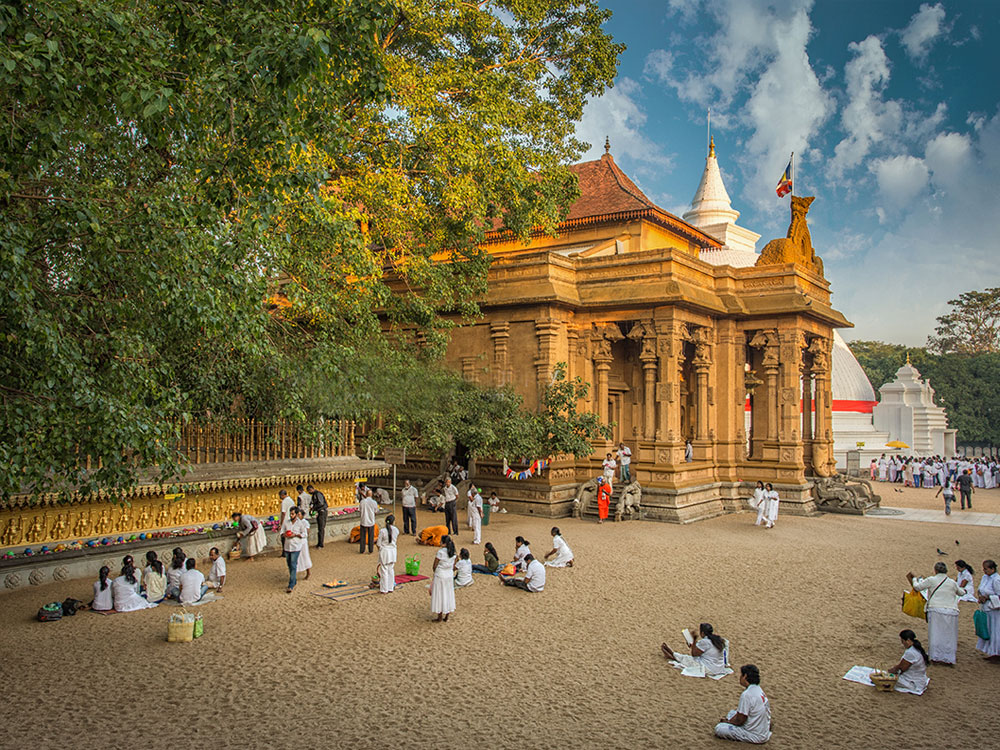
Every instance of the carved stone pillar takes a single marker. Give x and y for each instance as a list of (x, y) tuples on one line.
[(648, 394), (822, 451), (469, 369), (602, 363), (548, 337), (701, 396), (807, 420), (500, 333)]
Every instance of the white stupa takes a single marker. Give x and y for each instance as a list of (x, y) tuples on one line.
[(908, 413), (853, 396)]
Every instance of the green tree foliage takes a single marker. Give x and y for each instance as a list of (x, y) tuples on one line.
[(200, 198), (972, 327)]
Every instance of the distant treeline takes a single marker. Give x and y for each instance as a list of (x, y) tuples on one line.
[(966, 385)]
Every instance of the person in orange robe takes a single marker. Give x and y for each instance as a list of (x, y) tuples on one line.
[(603, 499)]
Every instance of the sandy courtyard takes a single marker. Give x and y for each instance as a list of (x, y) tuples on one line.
[(577, 666)]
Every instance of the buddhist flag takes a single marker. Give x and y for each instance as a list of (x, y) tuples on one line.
[(785, 183)]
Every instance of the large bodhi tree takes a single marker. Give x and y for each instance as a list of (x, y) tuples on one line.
[(202, 202)]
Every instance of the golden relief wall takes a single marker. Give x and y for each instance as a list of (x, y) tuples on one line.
[(53, 523)]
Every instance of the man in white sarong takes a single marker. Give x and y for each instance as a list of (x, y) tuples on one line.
[(943, 594), (475, 514), (751, 721)]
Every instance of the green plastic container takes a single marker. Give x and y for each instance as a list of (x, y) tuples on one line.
[(413, 565), (487, 508)]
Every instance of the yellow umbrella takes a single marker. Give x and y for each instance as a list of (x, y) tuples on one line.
[(896, 444)]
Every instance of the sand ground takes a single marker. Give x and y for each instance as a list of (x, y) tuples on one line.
[(577, 666)]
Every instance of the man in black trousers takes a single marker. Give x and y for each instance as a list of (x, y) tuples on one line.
[(450, 494), (320, 507)]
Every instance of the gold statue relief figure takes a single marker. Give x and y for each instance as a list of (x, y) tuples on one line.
[(125, 518), (180, 514), (163, 516), (143, 519), (82, 527), (35, 531), (59, 530), (13, 533), (216, 508)]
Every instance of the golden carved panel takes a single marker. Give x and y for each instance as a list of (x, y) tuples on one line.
[(64, 523)]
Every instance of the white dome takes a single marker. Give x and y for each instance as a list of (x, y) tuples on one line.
[(849, 382)]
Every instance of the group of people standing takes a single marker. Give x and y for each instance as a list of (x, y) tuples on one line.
[(943, 595), (936, 471)]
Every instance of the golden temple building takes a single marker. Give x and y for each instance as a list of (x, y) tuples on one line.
[(675, 349)]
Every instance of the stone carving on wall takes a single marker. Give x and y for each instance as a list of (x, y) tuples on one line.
[(630, 502), (797, 246), (820, 352), (767, 342), (586, 494)]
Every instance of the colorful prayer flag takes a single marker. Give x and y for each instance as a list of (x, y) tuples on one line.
[(785, 183)]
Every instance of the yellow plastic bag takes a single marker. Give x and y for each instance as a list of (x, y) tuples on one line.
[(914, 604)]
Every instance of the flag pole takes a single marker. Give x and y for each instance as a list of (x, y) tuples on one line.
[(709, 128), (791, 162)]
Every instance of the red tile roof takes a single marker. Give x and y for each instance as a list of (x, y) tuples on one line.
[(608, 195)]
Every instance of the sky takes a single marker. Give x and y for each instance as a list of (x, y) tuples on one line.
[(891, 107)]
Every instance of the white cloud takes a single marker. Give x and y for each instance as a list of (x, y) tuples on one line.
[(925, 26), (867, 117), (686, 10), (900, 179), (616, 115), (949, 157), (754, 70)]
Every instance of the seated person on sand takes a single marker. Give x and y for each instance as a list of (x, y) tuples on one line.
[(534, 577), (912, 668), (521, 551), (494, 502), (125, 591), (217, 575), (103, 600), (751, 721), (435, 500), (463, 569), (492, 561), (563, 554), (154, 579), (432, 535), (193, 586), (174, 572), (707, 658)]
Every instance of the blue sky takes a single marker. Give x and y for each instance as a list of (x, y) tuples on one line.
[(892, 109)]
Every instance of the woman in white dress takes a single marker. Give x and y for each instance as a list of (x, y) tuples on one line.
[(759, 502), (521, 550), (772, 506), (707, 658), (912, 668), (989, 585), (966, 581), (250, 534), (563, 554), (174, 573), (154, 579), (103, 601), (443, 583), (125, 594), (387, 538), (305, 561)]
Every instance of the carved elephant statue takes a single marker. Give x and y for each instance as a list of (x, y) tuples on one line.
[(586, 495), (630, 502)]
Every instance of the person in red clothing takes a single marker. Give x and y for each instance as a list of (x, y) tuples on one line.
[(603, 499)]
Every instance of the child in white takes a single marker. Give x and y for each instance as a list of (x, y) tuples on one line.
[(463, 569)]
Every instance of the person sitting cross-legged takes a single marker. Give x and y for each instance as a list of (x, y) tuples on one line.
[(751, 721)]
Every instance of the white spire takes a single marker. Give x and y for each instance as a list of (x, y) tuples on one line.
[(713, 213), (711, 203)]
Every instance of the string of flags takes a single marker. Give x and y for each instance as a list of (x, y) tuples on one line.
[(536, 467)]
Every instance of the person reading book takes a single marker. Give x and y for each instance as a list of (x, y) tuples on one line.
[(707, 653)]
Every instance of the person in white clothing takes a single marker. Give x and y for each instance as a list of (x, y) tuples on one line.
[(103, 600), (989, 594), (609, 468), (942, 612), (305, 563), (174, 573), (285, 519), (450, 494), (193, 586), (463, 569), (759, 501), (443, 583), (305, 499), (708, 654), (125, 591), (534, 577), (966, 581), (294, 534), (912, 668), (387, 538), (217, 575), (563, 554), (751, 721), (369, 509), (625, 459), (154, 579), (521, 551), (494, 502), (475, 512), (409, 496), (772, 505)]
